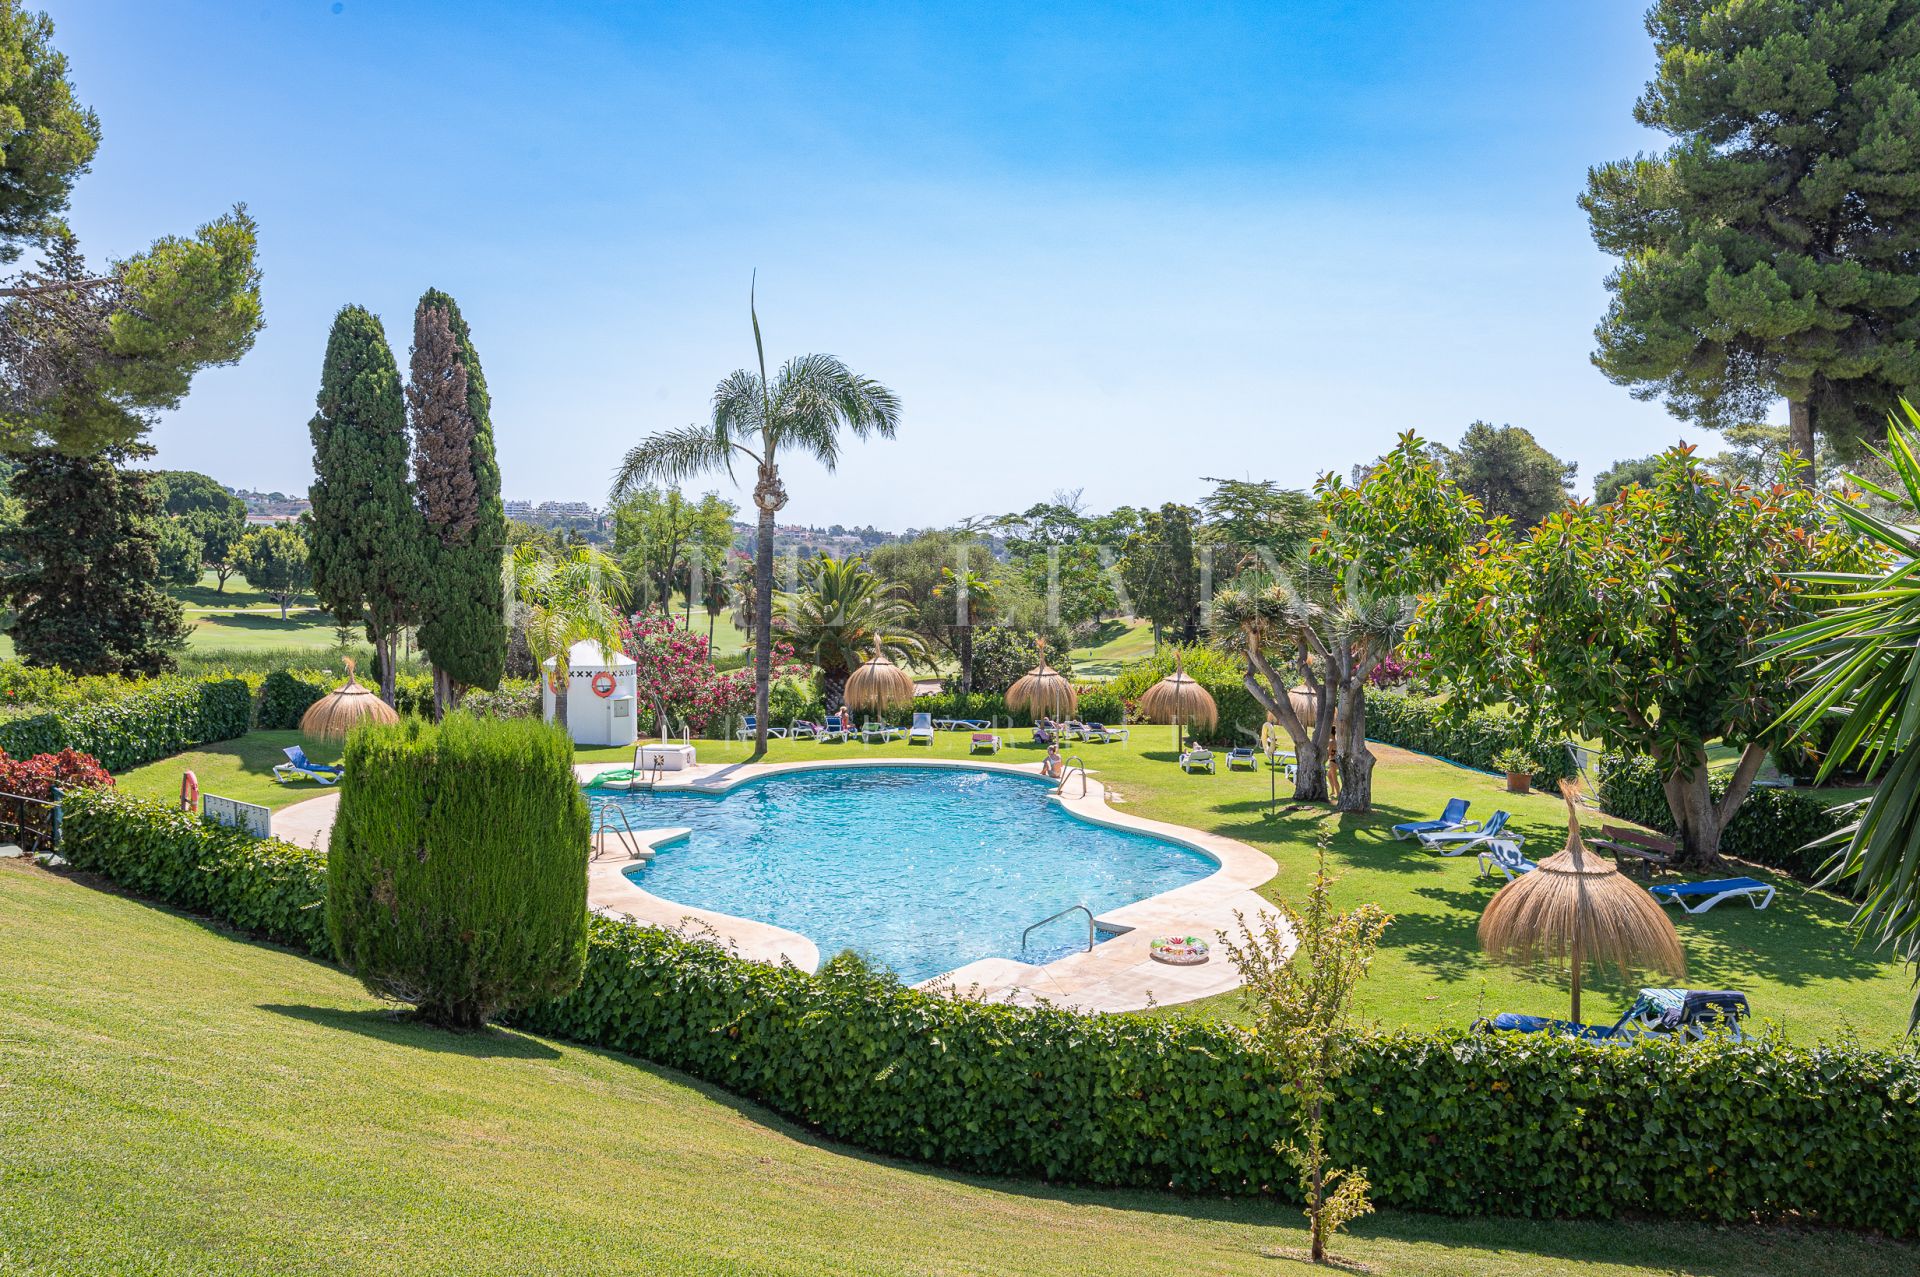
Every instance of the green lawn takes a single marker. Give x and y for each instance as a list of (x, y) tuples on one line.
[(1113, 646), (241, 769), (175, 1101)]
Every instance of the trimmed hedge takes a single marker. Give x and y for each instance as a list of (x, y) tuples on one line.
[(1772, 827), (260, 885), (285, 695), (1455, 1122), (1475, 738), (153, 719)]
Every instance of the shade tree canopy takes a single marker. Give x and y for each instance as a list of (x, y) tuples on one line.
[(1643, 624), (1768, 252)]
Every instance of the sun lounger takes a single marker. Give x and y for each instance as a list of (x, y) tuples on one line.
[(1752, 890), (837, 727), (922, 729), (748, 732), (1196, 757), (1507, 858), (1460, 841), (300, 766), (1452, 819), (984, 740), (1241, 756), (1104, 734), (882, 730)]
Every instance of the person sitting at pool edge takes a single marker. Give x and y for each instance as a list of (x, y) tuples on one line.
[(1054, 765)]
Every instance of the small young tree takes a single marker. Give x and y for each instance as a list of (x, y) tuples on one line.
[(1299, 971), (274, 561), (457, 868)]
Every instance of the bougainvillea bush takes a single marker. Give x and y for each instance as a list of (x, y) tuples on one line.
[(674, 674)]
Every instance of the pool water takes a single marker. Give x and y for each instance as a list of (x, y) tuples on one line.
[(919, 870)]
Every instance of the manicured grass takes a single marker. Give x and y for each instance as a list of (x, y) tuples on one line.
[(1797, 961), (241, 769), (176, 1101), (1116, 644)]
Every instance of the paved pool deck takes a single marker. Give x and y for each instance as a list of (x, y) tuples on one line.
[(1118, 974)]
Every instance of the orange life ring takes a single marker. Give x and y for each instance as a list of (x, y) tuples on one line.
[(603, 684), (189, 791)]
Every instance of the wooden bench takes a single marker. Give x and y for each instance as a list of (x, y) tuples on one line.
[(1635, 846)]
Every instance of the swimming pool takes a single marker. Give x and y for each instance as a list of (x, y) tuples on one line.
[(918, 869)]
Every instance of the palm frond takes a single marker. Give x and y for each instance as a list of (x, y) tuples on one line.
[(672, 456)]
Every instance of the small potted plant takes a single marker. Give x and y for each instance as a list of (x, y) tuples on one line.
[(1519, 769)]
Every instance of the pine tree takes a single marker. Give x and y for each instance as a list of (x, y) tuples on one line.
[(88, 545), (1769, 252), (463, 617), (365, 549)]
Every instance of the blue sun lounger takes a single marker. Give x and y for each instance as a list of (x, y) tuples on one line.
[(299, 765), (1470, 837), (1454, 817), (1507, 858), (1756, 893)]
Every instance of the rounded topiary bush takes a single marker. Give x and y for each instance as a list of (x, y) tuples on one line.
[(456, 875)]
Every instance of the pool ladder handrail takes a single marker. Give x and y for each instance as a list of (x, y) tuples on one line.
[(1055, 918), (603, 825), (1074, 764)]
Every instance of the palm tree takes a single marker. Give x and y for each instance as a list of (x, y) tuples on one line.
[(974, 600), (803, 407), (839, 616), (564, 599), (1862, 686)]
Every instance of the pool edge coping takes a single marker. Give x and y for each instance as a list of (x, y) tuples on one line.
[(1117, 975)]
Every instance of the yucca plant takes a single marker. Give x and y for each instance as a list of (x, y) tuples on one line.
[(1866, 675)]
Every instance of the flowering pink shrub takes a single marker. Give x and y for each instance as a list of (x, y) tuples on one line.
[(1393, 670), (674, 675)]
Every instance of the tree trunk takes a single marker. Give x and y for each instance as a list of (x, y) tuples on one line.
[(833, 689), (711, 618), (446, 694), (1800, 436), (563, 674), (966, 660), (1265, 685), (283, 607), (385, 647), (1317, 1203), (1353, 757), (1698, 821), (768, 497)]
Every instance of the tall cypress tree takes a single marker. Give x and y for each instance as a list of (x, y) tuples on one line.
[(463, 617), (365, 548), (88, 547)]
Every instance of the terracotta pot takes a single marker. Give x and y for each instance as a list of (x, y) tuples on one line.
[(1519, 783)]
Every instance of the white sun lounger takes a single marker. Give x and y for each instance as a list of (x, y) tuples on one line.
[(922, 729), (1752, 890)]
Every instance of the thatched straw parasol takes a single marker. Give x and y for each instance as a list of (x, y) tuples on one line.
[(1577, 907), (1177, 699), (330, 717), (1043, 691), (878, 685)]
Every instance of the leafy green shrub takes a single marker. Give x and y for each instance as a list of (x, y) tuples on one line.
[(515, 698), (458, 865), (413, 694), (1241, 716), (1772, 827), (1099, 703), (1454, 1122), (1122, 1100), (285, 695), (149, 719), (1476, 738), (259, 885)]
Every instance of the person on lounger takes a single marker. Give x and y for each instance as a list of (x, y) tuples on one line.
[(1055, 765)]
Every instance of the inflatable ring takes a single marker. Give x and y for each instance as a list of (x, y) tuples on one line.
[(1178, 951), (603, 684)]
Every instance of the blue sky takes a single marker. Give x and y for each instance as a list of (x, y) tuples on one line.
[(1110, 247)]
